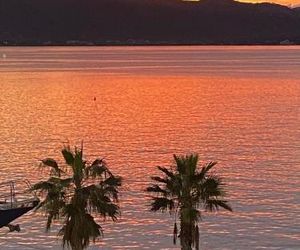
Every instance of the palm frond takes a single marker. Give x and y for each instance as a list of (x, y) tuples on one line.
[(166, 171), (214, 205), (154, 188), (100, 198), (79, 228), (205, 169), (78, 168), (52, 204), (97, 169), (159, 179), (162, 203), (112, 180), (64, 182), (112, 192), (68, 155), (42, 186), (171, 180), (54, 208), (192, 161), (107, 209), (212, 187), (49, 162), (53, 184), (180, 164), (104, 206)]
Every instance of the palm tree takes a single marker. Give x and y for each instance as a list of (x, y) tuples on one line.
[(185, 190), (74, 193)]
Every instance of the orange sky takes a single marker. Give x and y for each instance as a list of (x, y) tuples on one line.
[(283, 2), (290, 3)]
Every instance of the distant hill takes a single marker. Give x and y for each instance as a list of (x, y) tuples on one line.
[(297, 10), (146, 21)]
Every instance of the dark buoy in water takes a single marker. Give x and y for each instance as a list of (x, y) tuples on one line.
[(94, 98)]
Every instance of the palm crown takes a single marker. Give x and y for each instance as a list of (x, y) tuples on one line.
[(186, 190), (76, 191)]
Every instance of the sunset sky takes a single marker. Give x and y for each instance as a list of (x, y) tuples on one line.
[(283, 2), (290, 3)]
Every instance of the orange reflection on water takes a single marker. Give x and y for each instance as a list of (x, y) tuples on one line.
[(250, 125)]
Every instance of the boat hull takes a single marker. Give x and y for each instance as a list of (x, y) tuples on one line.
[(8, 215)]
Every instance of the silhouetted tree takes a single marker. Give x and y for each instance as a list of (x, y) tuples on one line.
[(74, 192), (185, 189)]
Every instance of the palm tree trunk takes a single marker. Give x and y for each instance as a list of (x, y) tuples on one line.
[(185, 246), (77, 247), (185, 236)]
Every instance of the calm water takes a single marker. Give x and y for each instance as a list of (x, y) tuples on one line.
[(237, 105)]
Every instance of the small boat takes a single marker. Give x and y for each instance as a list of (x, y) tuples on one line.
[(14, 204)]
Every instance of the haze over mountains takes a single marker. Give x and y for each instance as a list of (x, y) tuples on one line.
[(146, 21)]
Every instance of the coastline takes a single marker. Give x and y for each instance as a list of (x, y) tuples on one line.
[(85, 44)]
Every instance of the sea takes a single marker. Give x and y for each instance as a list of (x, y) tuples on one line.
[(136, 107)]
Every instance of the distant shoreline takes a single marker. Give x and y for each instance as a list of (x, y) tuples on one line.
[(147, 23), (144, 44)]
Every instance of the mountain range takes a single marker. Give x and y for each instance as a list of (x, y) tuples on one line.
[(89, 22)]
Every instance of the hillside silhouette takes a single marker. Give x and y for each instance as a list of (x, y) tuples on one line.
[(146, 22)]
